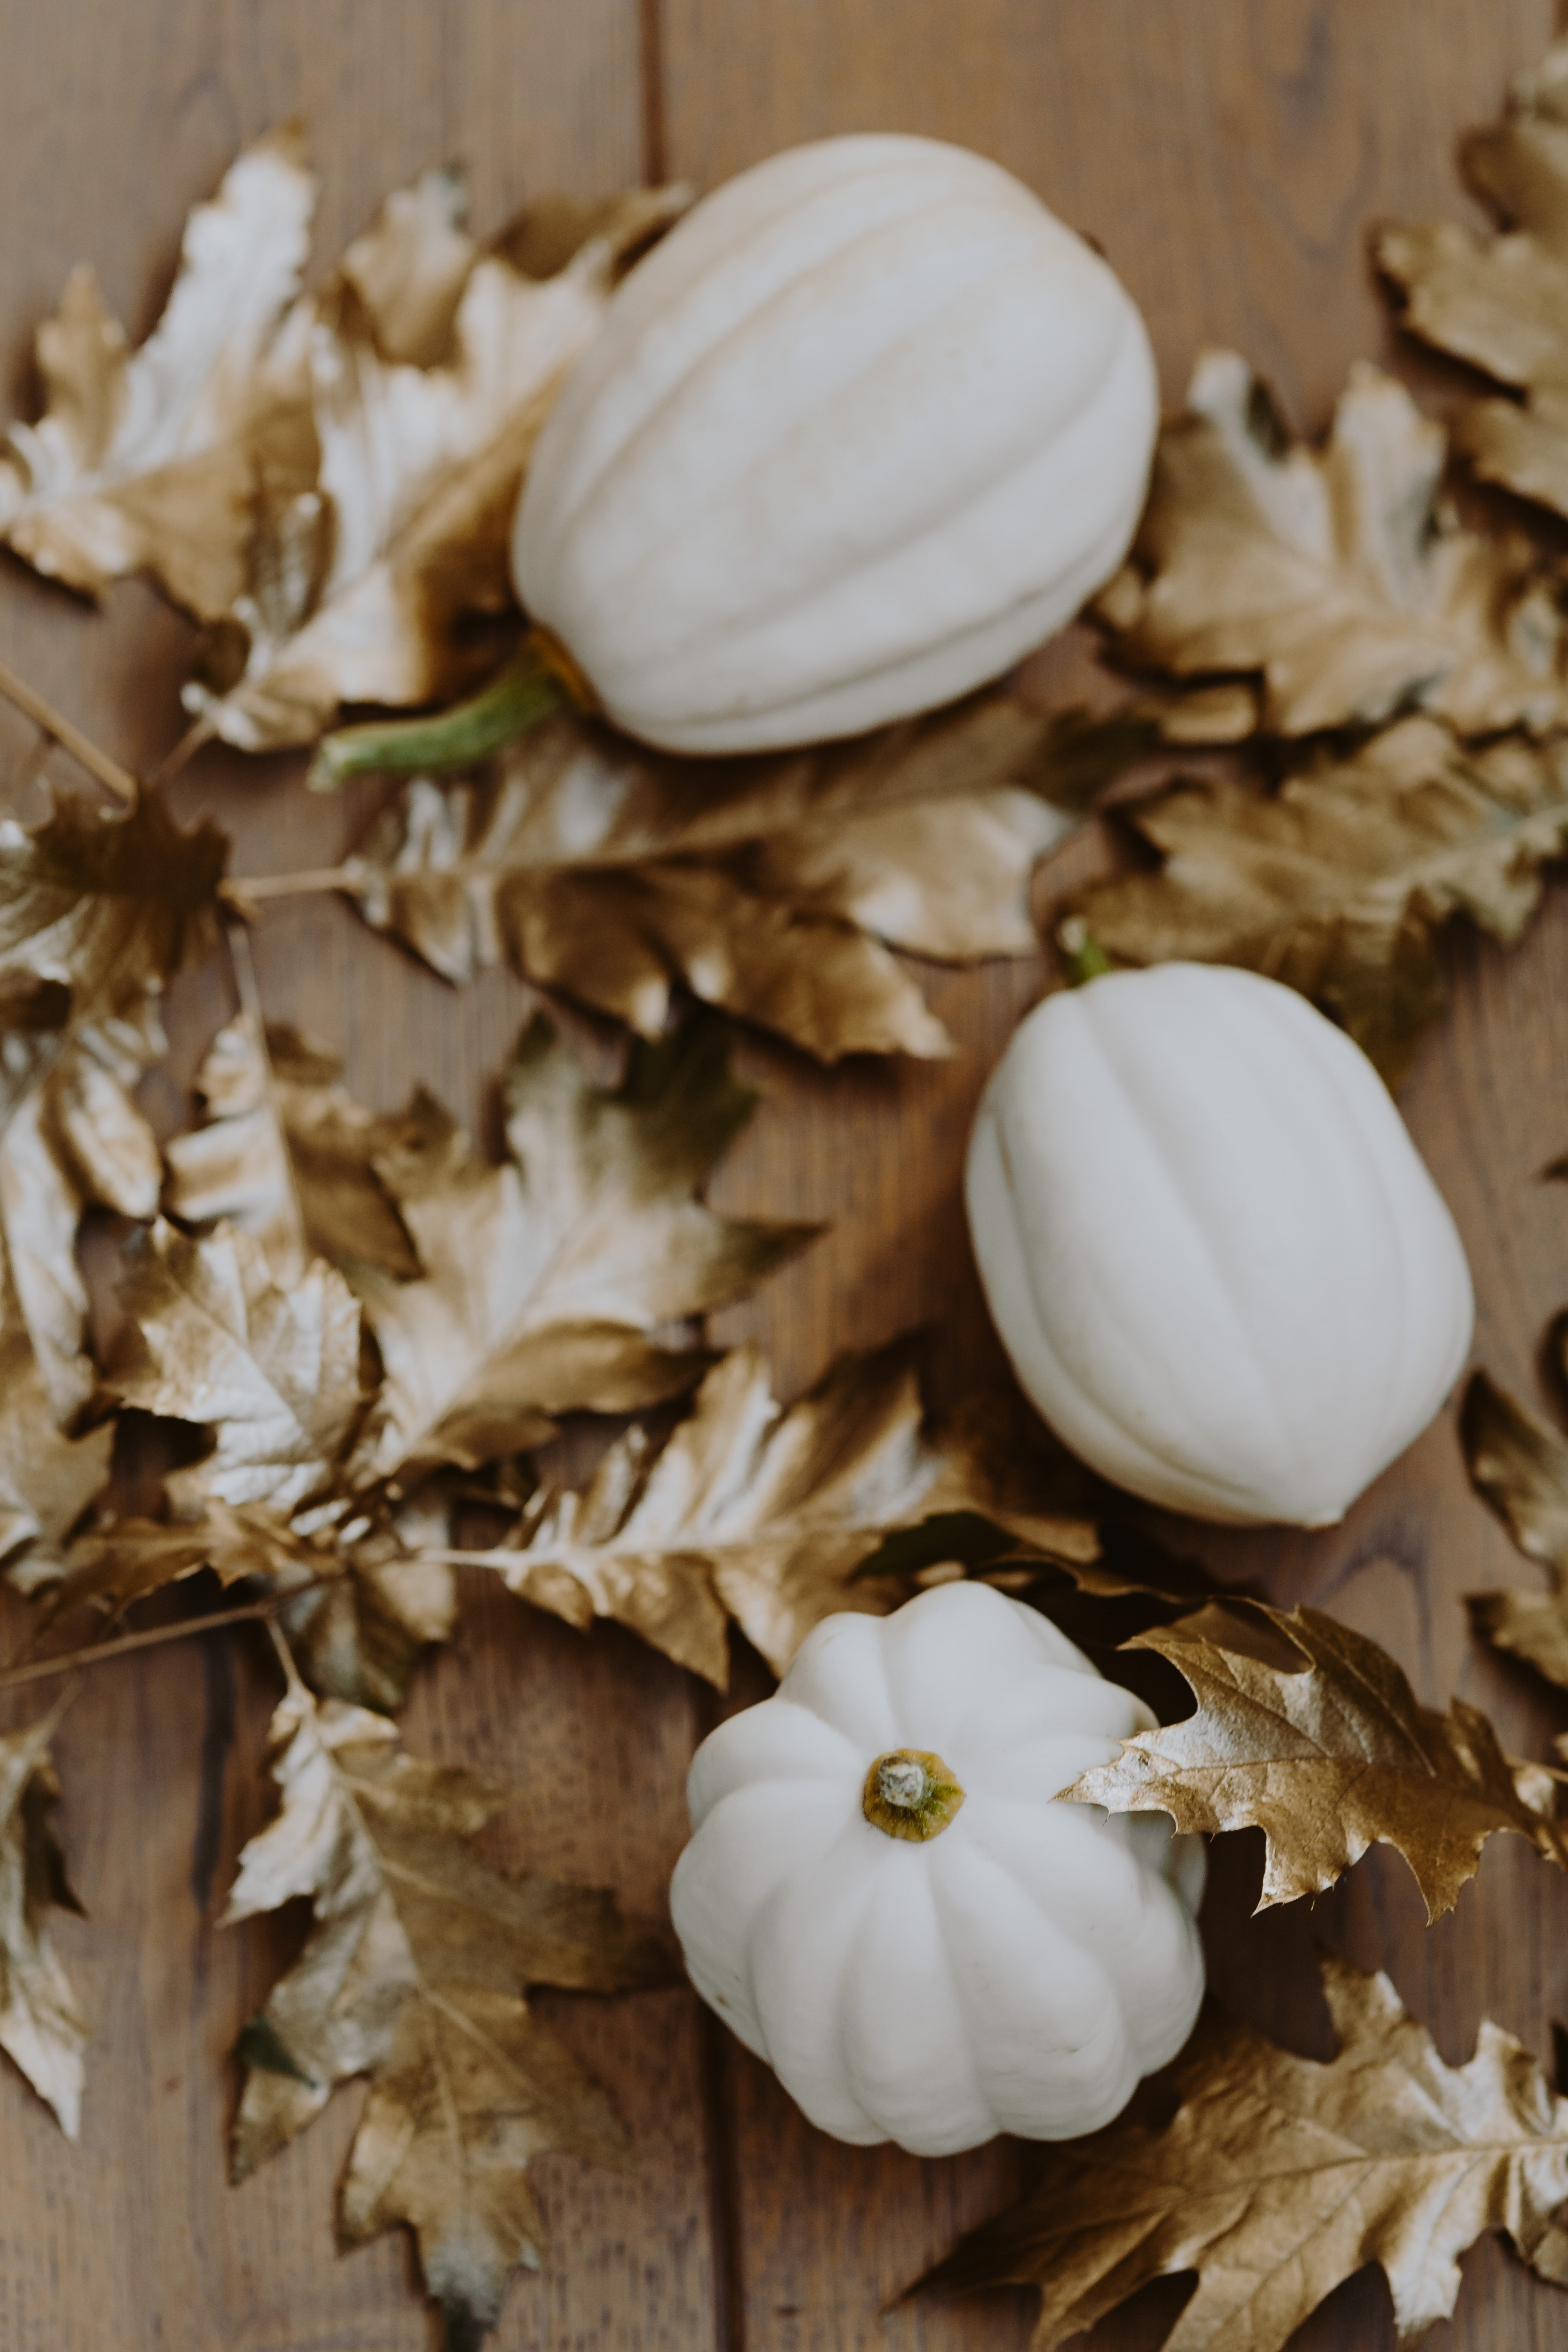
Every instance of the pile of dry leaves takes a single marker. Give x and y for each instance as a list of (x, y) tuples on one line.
[(368, 1328)]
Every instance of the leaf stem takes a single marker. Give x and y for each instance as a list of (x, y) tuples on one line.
[(82, 750), (98, 1653), (197, 733), (241, 890), (1081, 952), (525, 692)]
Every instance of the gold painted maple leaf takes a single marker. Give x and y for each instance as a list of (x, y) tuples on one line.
[(97, 911), (1339, 574), (1310, 1732), (774, 1517), (428, 369), (1519, 1466), (1277, 2178), (41, 2025), (1340, 881), (773, 886), (414, 1974), (1501, 302), (149, 461)]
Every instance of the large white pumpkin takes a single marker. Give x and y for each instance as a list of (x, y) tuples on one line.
[(935, 1964), (865, 428), (1218, 1264)]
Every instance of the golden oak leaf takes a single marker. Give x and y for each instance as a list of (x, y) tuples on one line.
[(273, 1371), (360, 1636), (414, 1974), (773, 886), (357, 584), (1338, 574), (545, 1278), (371, 1593), (1338, 883), (96, 912), (1501, 302), (96, 902), (42, 2028), (124, 1560), (147, 461), (287, 1155), (778, 1517), (1518, 1466), (1309, 1732), (46, 1478), (1277, 2178)]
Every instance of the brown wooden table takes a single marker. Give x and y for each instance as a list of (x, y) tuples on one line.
[(1228, 155)]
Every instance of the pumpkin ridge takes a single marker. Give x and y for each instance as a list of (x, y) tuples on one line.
[(923, 1885), (1089, 1407), (1397, 1382), (1222, 1272), (806, 264), (656, 551)]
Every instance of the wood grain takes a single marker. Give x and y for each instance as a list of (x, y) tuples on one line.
[(1229, 155)]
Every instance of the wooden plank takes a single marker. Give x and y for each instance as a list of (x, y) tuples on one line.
[(1229, 157), (111, 124)]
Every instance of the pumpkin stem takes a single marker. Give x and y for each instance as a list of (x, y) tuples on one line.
[(910, 1793), (1081, 952), (526, 690)]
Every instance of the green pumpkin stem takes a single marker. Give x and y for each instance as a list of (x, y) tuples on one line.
[(526, 690), (910, 1793), (1082, 956)]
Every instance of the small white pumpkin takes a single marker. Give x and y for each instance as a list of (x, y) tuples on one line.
[(884, 1900), (865, 428), (1218, 1264)]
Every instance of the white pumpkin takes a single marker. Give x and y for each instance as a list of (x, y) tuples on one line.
[(865, 428), (886, 1901), (1218, 1264)]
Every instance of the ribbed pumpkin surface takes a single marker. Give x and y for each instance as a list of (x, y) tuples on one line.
[(867, 426), (1213, 1251)]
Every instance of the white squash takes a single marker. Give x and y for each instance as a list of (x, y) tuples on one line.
[(1219, 1265), (865, 428), (885, 1902)]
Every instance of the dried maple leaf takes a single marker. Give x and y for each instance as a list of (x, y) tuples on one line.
[(96, 912), (1518, 1466), (1339, 574), (545, 1279), (46, 1478), (357, 584), (273, 1371), (1501, 302), (1277, 2178), (771, 887), (149, 461), (41, 2025), (1309, 1732), (123, 1561), (373, 1591), (534, 1288), (287, 1155), (778, 1517), (1339, 882), (414, 1974)]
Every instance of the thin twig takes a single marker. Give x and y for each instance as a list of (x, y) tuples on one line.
[(98, 1654), (291, 1674), (241, 890), (198, 732), (248, 988), (83, 750), (22, 779)]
